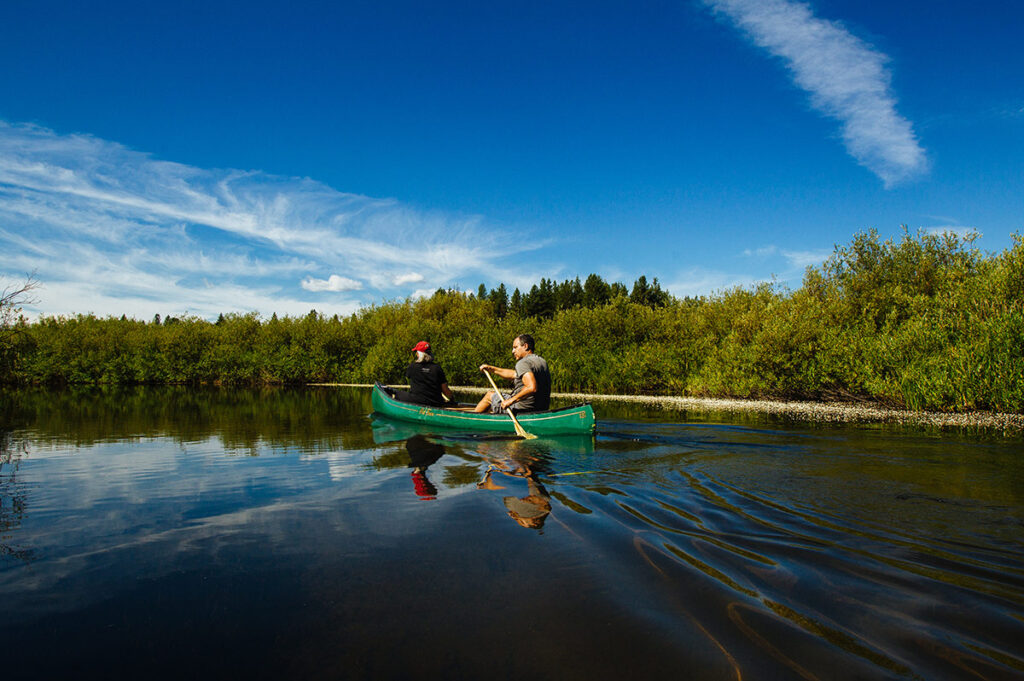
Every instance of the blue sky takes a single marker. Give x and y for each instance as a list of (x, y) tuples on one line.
[(207, 157)]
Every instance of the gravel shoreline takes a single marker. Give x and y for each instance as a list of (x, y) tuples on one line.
[(823, 411), (835, 412)]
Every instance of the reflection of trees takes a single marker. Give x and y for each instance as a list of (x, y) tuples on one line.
[(12, 497), (411, 453), (244, 419), (461, 474)]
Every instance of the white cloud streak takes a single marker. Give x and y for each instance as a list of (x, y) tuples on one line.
[(408, 278), (846, 78), (793, 262), (110, 230), (762, 252), (332, 283), (804, 259)]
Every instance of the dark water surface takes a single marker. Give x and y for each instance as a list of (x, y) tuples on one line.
[(180, 533)]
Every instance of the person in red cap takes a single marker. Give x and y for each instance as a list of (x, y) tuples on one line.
[(427, 382)]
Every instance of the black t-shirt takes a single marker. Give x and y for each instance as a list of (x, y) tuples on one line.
[(425, 380)]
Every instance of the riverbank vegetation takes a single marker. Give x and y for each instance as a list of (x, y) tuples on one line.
[(924, 322)]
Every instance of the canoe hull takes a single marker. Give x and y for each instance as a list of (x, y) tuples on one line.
[(575, 420)]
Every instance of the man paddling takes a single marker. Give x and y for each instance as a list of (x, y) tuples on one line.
[(531, 389)]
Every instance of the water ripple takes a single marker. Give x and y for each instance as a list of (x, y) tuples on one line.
[(799, 576)]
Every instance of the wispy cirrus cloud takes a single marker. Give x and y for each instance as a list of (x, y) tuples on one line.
[(761, 251), (846, 78), (110, 230), (795, 260), (803, 259)]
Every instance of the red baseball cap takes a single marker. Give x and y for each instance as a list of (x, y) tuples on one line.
[(422, 346)]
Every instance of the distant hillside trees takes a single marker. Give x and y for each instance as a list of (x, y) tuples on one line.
[(924, 321)]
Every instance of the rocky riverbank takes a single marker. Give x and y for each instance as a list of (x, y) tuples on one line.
[(820, 411)]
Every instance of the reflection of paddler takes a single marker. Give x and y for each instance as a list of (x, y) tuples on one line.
[(423, 487), (532, 510), (422, 454)]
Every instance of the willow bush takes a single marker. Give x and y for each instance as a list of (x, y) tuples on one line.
[(923, 321)]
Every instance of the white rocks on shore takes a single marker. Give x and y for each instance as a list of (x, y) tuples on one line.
[(820, 411)]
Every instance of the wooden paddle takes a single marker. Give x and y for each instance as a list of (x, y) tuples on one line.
[(520, 431)]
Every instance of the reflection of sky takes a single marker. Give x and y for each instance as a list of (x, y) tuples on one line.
[(908, 542), (149, 506)]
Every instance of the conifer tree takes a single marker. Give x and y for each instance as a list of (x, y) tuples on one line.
[(499, 298), (595, 291), (516, 304)]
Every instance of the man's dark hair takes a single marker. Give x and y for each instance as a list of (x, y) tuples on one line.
[(527, 340)]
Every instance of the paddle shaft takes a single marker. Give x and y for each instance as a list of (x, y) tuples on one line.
[(520, 431)]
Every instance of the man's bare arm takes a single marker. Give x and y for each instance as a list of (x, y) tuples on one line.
[(498, 371)]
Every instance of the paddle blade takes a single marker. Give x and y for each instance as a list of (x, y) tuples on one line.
[(520, 431)]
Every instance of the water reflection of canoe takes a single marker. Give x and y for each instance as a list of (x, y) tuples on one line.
[(387, 430), (577, 419), (392, 431)]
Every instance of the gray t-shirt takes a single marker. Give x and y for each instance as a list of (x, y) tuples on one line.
[(540, 400)]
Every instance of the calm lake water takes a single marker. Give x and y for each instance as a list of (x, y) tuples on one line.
[(287, 534)]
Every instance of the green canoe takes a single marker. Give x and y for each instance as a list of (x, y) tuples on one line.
[(575, 420)]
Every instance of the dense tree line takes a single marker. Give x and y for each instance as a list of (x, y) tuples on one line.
[(923, 321), (547, 298)]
